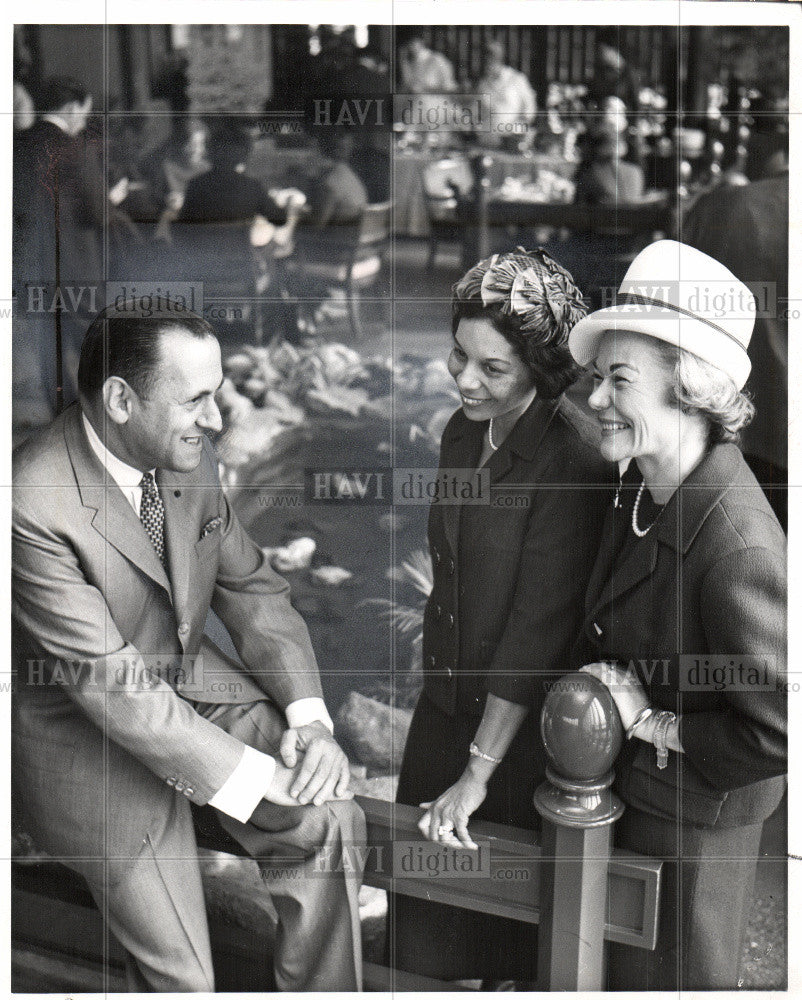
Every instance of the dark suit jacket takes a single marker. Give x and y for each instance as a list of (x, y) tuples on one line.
[(103, 720), (509, 579), (46, 158), (746, 228), (609, 182), (709, 580), (228, 196)]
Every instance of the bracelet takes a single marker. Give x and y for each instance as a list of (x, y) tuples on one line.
[(664, 720), (642, 716), (474, 751)]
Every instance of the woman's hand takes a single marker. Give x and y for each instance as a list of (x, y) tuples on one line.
[(625, 687), (446, 820)]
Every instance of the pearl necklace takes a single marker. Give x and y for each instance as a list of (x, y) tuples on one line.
[(490, 435), (635, 528)]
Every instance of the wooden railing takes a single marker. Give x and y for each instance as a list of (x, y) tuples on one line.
[(568, 880)]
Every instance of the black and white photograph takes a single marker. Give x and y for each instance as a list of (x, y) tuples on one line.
[(398, 493)]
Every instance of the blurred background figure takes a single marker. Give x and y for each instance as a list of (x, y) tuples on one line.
[(512, 101), (335, 194), (746, 228), (422, 70), (24, 110), (612, 75), (173, 164), (60, 205), (604, 177), (225, 192)]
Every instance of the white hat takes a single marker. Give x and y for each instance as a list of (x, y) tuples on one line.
[(680, 295)]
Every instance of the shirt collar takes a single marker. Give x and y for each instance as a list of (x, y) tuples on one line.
[(57, 120), (124, 475)]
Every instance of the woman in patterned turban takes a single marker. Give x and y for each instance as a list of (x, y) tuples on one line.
[(513, 531)]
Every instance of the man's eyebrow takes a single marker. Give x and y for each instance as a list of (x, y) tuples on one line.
[(208, 392)]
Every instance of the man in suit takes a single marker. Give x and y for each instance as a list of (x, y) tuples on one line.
[(125, 712), (59, 205)]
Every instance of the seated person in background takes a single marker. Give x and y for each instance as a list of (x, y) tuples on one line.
[(513, 104), (423, 71), (604, 177), (335, 194), (171, 167), (225, 193)]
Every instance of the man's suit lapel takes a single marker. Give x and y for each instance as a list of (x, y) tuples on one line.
[(111, 514), (182, 530)]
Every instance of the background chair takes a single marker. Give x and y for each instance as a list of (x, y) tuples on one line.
[(350, 259), (445, 183)]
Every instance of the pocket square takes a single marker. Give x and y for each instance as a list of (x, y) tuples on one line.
[(211, 526)]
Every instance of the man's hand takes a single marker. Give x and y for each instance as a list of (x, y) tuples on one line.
[(279, 790), (323, 773)]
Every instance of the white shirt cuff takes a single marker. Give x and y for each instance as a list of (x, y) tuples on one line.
[(306, 710), (246, 786)]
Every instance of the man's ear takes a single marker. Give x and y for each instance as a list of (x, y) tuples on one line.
[(117, 399)]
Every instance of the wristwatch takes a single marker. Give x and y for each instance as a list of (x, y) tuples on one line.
[(663, 721)]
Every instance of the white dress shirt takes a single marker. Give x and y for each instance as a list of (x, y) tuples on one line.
[(249, 781)]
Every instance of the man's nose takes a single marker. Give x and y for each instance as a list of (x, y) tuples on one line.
[(210, 417)]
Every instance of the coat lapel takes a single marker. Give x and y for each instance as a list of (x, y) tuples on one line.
[(616, 579), (461, 452), (679, 523), (112, 516)]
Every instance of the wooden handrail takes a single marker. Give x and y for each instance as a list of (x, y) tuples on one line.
[(633, 881)]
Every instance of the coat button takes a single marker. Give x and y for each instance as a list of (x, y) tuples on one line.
[(598, 629), (170, 781), (436, 554), (432, 661), (189, 791), (450, 672), (451, 621), (451, 567), (438, 612), (183, 628)]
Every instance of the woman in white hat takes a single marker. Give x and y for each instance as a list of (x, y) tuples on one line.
[(685, 615)]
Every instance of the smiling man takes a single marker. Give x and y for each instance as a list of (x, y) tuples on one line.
[(125, 711)]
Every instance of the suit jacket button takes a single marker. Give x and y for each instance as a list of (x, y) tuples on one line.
[(598, 630), (451, 567), (451, 621), (432, 661), (183, 628), (450, 672), (170, 781), (189, 791), (438, 611), (436, 554), (179, 786)]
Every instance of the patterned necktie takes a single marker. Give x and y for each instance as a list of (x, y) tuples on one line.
[(151, 514)]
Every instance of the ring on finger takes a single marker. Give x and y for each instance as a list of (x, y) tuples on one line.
[(443, 831)]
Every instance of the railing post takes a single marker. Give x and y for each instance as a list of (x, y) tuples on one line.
[(582, 735)]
